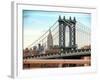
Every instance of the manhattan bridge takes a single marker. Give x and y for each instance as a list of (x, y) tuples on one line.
[(65, 39)]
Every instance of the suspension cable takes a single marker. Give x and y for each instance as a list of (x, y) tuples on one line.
[(42, 35)]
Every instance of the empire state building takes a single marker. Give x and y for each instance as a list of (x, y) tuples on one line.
[(49, 40)]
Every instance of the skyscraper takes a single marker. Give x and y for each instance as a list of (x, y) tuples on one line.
[(49, 40)]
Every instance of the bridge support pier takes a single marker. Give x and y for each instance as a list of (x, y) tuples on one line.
[(60, 65), (86, 58)]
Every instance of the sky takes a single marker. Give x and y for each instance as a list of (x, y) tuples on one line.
[(35, 23)]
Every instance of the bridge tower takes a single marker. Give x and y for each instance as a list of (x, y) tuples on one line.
[(61, 33), (71, 24)]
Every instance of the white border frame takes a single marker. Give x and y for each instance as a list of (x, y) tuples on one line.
[(16, 66)]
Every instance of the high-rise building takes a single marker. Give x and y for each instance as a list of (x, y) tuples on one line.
[(49, 40)]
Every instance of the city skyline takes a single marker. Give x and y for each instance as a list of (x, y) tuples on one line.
[(35, 23)]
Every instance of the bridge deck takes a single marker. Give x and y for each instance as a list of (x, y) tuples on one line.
[(60, 55)]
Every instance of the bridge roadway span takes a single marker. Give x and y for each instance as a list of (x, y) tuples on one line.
[(67, 54)]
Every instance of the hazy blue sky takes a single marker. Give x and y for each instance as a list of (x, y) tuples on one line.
[(36, 21), (43, 19)]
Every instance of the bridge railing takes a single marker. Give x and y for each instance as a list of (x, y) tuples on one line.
[(57, 62)]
